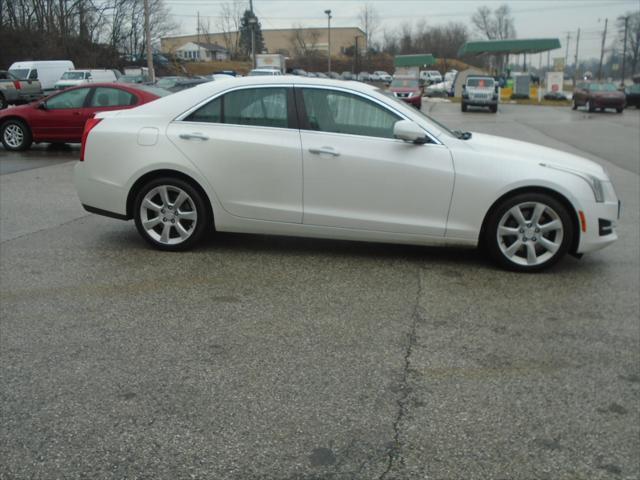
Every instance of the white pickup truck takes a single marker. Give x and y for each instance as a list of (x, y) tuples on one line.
[(14, 91)]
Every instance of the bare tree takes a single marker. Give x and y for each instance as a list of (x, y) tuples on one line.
[(228, 24), (369, 21), (496, 25), (304, 42), (633, 39)]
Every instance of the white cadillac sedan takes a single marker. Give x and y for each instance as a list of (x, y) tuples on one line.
[(323, 158)]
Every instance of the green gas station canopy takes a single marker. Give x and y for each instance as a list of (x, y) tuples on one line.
[(514, 46), (421, 60)]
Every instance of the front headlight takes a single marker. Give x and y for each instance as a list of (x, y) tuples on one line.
[(603, 190)]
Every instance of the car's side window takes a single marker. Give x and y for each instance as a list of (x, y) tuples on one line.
[(264, 107), (111, 97), (68, 99), (33, 75), (340, 112), (209, 113)]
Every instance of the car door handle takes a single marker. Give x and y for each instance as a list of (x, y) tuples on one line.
[(327, 150), (190, 136)]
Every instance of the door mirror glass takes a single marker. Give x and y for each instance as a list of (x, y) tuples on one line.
[(410, 132)]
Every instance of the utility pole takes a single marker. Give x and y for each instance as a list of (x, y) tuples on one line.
[(328, 12), (566, 55), (604, 38), (198, 28), (624, 49), (575, 72), (147, 33)]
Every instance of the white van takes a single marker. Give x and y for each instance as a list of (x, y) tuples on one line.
[(71, 78), (47, 71)]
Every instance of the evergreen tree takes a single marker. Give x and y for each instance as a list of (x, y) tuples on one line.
[(245, 34)]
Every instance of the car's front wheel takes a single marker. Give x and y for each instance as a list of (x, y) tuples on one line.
[(171, 214), (15, 135), (529, 232)]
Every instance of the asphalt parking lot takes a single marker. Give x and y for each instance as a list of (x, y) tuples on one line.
[(260, 357)]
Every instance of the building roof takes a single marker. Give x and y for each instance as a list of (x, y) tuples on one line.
[(527, 45), (214, 47), (420, 60)]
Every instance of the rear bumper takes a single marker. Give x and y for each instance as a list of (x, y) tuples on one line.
[(608, 103)]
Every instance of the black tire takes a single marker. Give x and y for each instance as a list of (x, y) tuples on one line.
[(493, 108), (197, 203), (463, 107), (26, 135), (555, 211), (619, 109), (3, 102)]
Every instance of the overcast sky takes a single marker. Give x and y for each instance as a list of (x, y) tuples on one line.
[(533, 19)]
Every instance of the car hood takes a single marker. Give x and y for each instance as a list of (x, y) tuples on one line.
[(530, 152), (18, 109)]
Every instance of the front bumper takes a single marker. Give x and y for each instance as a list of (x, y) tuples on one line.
[(480, 102), (596, 216), (608, 102), (415, 101)]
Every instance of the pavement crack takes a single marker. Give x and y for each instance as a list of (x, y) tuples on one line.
[(395, 453)]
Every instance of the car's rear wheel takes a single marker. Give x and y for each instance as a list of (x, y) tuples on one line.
[(590, 107), (15, 135), (171, 214), (619, 109), (463, 107), (529, 232)]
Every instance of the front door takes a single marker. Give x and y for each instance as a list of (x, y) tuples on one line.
[(62, 118), (356, 175), (247, 144)]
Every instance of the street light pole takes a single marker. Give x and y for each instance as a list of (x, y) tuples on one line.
[(624, 49), (328, 12)]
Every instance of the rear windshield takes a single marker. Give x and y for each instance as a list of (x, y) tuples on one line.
[(21, 73), (404, 83), (602, 87), (480, 82), (73, 76), (160, 92)]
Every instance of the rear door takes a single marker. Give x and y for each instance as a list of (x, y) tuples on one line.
[(104, 99), (62, 118), (247, 144)]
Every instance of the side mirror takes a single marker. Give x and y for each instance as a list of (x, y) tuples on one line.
[(409, 132), (42, 106)]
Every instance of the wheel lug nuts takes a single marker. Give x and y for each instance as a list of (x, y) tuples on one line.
[(170, 207), (164, 219), (173, 221), (522, 230), (534, 239), (162, 211)]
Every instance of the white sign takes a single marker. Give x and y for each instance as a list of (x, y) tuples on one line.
[(554, 82)]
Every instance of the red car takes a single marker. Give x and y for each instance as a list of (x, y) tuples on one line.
[(408, 90), (60, 118), (598, 95)]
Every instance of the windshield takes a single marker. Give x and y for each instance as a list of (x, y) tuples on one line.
[(21, 73), (480, 82), (167, 82), (72, 76), (404, 83), (602, 87)]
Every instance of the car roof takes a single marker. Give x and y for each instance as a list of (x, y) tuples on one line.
[(175, 104)]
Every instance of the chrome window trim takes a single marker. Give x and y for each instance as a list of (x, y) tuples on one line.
[(181, 118)]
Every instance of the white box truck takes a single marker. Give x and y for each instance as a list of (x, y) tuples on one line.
[(48, 72), (272, 61)]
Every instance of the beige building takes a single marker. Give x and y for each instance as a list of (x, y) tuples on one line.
[(287, 41)]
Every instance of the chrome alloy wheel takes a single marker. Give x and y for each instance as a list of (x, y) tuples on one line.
[(530, 233), (168, 214), (13, 135)]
